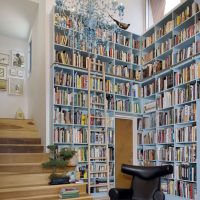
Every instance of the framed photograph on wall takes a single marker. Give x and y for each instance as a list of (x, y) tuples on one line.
[(4, 59), (15, 86), (3, 85), (3, 72), (17, 59), (13, 71)]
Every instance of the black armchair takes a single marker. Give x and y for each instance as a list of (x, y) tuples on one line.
[(145, 183)]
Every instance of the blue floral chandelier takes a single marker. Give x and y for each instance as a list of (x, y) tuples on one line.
[(90, 15)]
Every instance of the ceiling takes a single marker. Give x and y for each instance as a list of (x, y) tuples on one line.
[(17, 17)]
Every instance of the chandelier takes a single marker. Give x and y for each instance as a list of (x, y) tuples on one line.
[(89, 16)]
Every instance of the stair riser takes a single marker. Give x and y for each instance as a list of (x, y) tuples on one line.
[(39, 191), (23, 158), (22, 180), (20, 141), (21, 149)]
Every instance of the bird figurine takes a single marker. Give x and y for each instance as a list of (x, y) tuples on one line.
[(120, 24)]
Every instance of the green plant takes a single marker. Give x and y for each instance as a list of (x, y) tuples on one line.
[(58, 159)]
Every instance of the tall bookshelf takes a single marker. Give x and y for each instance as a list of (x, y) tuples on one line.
[(89, 89), (154, 77), (170, 91)]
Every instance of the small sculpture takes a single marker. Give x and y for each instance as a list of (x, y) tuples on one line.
[(120, 24)]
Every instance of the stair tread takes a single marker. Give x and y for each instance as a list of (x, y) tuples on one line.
[(28, 188), (56, 197), (12, 145)]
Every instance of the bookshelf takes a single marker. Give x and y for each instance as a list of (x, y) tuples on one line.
[(170, 87), (154, 77), (89, 88)]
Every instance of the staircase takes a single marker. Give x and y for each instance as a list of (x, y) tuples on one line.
[(21, 155)]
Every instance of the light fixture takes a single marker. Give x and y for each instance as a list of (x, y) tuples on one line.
[(89, 16)]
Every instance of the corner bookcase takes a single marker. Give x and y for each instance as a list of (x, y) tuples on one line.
[(168, 133), (154, 78)]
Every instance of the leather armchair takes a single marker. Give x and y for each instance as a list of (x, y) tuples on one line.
[(145, 183)]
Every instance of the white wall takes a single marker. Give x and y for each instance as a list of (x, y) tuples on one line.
[(135, 15), (36, 82), (10, 103)]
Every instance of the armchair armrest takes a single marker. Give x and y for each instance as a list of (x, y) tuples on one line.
[(120, 193)]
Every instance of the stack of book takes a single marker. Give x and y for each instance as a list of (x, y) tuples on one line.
[(67, 193)]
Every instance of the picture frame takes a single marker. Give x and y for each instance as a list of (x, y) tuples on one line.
[(15, 86), (20, 73), (3, 72), (13, 72), (4, 59), (3, 85), (17, 59)]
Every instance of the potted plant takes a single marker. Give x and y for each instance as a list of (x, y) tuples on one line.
[(58, 159)]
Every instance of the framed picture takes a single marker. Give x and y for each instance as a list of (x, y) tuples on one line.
[(4, 59), (20, 73), (16, 86), (3, 85), (3, 72), (17, 59), (13, 72)]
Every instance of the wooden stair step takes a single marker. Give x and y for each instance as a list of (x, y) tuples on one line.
[(20, 192), (21, 148), (17, 124), (23, 158), (20, 140), (51, 197), (27, 168), (18, 134), (22, 180)]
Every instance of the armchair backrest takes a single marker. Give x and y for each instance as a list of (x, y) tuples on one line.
[(146, 180)]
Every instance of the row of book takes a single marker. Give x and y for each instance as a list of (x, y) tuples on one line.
[(189, 11), (186, 190), (98, 152), (149, 137), (188, 93), (64, 97), (148, 89), (63, 21), (165, 136), (148, 40), (63, 78), (187, 153), (186, 134), (63, 39), (127, 57), (165, 153), (63, 135), (62, 116), (96, 83), (165, 117), (148, 56), (185, 113), (185, 53), (164, 29), (164, 46), (165, 100), (81, 99), (82, 154), (186, 172), (164, 82), (149, 121), (167, 186), (122, 39), (98, 137), (80, 135), (98, 167), (123, 71), (184, 34), (186, 74)]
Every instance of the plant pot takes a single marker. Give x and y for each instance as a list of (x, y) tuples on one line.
[(57, 181)]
